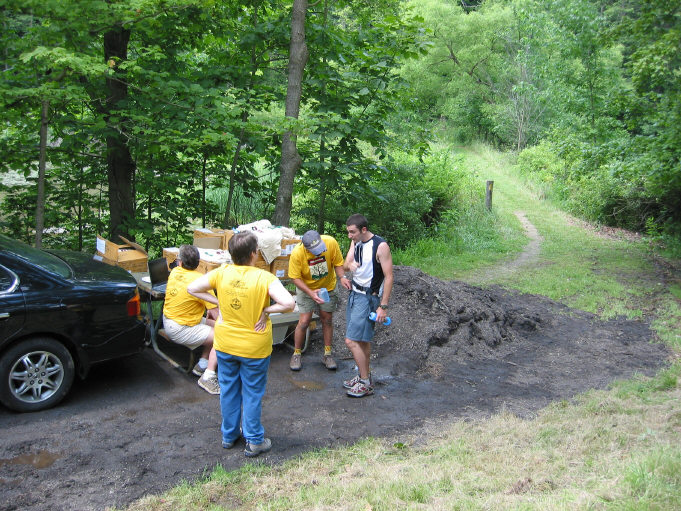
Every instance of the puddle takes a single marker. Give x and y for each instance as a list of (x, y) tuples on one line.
[(189, 397), (41, 459), (307, 385)]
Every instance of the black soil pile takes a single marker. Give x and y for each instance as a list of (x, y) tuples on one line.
[(442, 330)]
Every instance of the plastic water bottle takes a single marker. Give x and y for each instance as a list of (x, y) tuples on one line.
[(323, 293), (372, 317)]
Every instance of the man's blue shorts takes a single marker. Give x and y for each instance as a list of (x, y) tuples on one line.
[(358, 325)]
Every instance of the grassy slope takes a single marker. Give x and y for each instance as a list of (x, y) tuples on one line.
[(615, 449)]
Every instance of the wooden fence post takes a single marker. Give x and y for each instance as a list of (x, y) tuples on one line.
[(488, 194)]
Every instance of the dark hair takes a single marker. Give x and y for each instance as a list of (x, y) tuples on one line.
[(190, 257), (241, 246), (359, 220)]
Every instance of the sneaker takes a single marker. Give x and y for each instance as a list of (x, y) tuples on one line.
[(253, 450), (296, 362), (329, 362), (360, 390), (210, 385), (228, 445), (198, 370), (348, 384)]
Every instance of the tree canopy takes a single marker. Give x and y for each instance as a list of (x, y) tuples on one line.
[(144, 117)]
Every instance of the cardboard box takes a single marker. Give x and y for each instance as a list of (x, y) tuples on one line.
[(213, 243), (129, 256), (220, 237), (171, 254), (206, 266), (261, 263), (287, 246), (279, 267)]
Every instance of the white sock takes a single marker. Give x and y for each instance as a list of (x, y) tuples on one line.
[(209, 373), (203, 363)]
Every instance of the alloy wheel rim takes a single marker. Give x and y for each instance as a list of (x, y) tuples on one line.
[(36, 376)]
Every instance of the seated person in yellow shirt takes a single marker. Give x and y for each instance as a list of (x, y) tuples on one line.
[(314, 264), (183, 317)]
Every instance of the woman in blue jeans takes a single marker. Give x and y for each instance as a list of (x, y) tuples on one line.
[(243, 339)]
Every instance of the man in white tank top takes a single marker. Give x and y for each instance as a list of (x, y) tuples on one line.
[(371, 264)]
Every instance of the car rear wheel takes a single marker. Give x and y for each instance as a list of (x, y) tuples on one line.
[(35, 374)]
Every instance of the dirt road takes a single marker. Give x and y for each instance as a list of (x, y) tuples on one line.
[(137, 426)]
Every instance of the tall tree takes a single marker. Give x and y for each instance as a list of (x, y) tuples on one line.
[(121, 167), (290, 158)]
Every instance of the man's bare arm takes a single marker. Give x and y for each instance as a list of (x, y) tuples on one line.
[(385, 259)]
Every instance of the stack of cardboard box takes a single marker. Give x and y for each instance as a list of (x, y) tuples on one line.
[(212, 244), (280, 265), (129, 255), (212, 238)]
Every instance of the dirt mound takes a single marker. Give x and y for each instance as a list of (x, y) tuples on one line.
[(467, 321), (439, 327)]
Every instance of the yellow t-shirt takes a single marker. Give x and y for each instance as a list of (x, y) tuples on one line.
[(243, 292), (179, 305), (316, 271)]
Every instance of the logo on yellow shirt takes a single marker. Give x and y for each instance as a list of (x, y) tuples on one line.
[(318, 268), (235, 303)]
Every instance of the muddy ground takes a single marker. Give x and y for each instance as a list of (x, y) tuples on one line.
[(137, 426)]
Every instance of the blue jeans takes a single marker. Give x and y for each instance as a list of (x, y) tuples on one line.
[(242, 387)]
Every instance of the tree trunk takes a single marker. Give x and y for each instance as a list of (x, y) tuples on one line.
[(42, 164), (203, 192), (322, 191), (290, 159), (227, 220), (121, 167), (81, 193)]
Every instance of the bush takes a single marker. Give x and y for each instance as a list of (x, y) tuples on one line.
[(403, 200), (541, 166)]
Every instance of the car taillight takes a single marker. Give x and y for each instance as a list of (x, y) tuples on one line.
[(134, 305)]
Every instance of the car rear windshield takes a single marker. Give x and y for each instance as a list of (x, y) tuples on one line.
[(35, 256)]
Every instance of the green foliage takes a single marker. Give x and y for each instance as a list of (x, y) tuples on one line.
[(477, 74), (594, 84), (395, 201), (540, 165), (200, 109), (404, 199)]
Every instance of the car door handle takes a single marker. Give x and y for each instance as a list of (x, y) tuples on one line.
[(4, 315)]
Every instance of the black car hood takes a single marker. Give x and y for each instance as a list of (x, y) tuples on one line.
[(87, 269)]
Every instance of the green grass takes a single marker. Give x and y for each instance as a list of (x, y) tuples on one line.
[(477, 238), (575, 266), (616, 449), (470, 240)]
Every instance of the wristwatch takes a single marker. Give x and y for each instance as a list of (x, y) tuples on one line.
[(344, 277), (383, 306)]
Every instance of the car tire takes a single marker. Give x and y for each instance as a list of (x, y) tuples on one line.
[(35, 374)]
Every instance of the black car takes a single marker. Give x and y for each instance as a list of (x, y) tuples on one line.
[(60, 312)]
